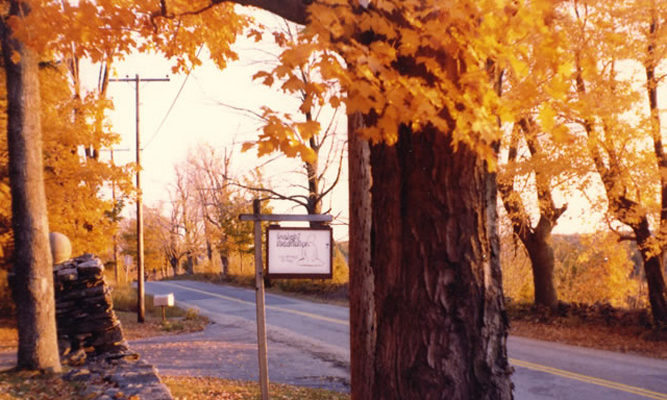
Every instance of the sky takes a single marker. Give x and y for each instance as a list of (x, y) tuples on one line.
[(187, 111), (179, 115)]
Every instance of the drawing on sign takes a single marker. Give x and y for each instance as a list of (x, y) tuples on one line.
[(307, 257), (309, 253), (299, 251)]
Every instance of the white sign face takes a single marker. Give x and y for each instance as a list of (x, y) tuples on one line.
[(299, 252)]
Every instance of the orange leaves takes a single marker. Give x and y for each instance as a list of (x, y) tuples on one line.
[(427, 63), (104, 29), (268, 78), (282, 133), (547, 116), (293, 84), (308, 70), (307, 129), (410, 42), (188, 26)]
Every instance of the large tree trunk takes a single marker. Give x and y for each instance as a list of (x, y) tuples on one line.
[(362, 285), (33, 280), (653, 265), (541, 255), (537, 240), (426, 307), (441, 326)]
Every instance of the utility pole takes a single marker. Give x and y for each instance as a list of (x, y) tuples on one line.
[(141, 309)]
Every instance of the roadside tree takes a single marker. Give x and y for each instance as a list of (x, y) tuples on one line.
[(221, 197), (419, 90), (621, 121), (309, 134), (32, 285)]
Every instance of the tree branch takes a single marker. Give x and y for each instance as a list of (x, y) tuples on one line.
[(292, 10), (510, 197)]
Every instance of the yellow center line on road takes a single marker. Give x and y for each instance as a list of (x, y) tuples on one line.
[(519, 363), (589, 379), (275, 308)]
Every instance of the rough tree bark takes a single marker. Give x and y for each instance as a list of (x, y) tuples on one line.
[(427, 313), (441, 326), (32, 284), (362, 278)]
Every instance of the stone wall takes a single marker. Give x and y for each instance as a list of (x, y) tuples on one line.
[(84, 310), (90, 337)]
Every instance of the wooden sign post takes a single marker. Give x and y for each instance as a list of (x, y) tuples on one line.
[(257, 217)]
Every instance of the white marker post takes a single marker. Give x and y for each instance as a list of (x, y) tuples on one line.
[(257, 218)]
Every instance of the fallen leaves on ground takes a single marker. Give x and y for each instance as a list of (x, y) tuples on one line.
[(623, 340), (597, 326), (31, 385), (190, 388)]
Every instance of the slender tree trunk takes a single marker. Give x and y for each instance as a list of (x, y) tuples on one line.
[(189, 265), (362, 285), (441, 325), (224, 261), (33, 281), (314, 201)]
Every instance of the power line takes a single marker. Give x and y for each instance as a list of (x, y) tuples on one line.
[(171, 107), (140, 222)]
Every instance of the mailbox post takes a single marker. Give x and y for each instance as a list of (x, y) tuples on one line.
[(164, 301)]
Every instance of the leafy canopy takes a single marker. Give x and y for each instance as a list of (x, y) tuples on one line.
[(422, 64)]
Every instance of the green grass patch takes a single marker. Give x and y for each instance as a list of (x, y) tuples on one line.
[(214, 388), (125, 299), (178, 320)]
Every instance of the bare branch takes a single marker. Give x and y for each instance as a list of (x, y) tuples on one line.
[(273, 193), (335, 182)]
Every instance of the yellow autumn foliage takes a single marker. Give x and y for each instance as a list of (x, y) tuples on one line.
[(73, 183), (589, 269)]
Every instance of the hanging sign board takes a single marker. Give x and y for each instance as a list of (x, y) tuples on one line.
[(299, 252)]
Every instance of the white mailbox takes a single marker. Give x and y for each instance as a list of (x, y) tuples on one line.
[(163, 300)]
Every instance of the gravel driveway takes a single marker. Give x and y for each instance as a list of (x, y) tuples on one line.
[(229, 351)]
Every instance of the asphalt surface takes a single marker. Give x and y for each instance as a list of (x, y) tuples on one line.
[(309, 345)]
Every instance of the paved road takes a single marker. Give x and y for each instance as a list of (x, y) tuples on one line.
[(309, 345)]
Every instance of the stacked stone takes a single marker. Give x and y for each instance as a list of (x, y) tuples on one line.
[(86, 321), (122, 378)]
